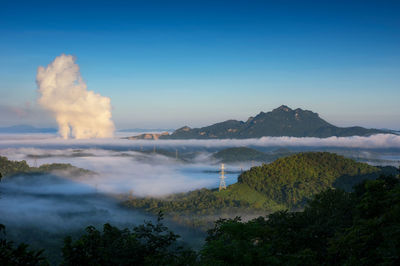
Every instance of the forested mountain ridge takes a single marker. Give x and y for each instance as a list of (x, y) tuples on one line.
[(10, 168), (287, 183), (282, 121), (335, 228), (294, 179), (245, 154)]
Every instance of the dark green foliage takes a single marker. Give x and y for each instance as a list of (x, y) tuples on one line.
[(281, 121), (9, 168), (294, 179), (147, 244), (59, 167), (336, 228), (283, 238), (241, 154), (244, 154), (18, 255), (374, 237), (287, 183), (196, 208), (195, 202)]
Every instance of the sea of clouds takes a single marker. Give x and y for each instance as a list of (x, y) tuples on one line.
[(121, 168), (377, 141), (69, 202)]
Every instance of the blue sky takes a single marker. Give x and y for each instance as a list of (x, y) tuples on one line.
[(175, 63)]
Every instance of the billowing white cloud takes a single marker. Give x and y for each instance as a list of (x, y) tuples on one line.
[(80, 113)]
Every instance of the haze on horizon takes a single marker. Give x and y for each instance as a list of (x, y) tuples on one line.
[(195, 63)]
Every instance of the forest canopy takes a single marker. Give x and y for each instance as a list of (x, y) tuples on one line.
[(335, 228), (287, 183), (10, 168)]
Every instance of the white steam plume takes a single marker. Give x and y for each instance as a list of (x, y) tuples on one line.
[(79, 113)]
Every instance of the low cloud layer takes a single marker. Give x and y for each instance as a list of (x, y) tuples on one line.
[(127, 171), (123, 169), (49, 204), (59, 202), (371, 142), (80, 113)]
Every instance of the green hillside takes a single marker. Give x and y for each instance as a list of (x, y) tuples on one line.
[(244, 154), (10, 168), (287, 183), (294, 179), (200, 208), (335, 228), (282, 121), (241, 154)]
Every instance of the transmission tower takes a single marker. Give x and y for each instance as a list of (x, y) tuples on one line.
[(222, 184), (35, 161)]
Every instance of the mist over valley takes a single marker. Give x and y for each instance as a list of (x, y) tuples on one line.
[(121, 168)]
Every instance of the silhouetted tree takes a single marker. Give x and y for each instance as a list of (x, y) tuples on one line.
[(335, 228), (147, 244), (19, 255)]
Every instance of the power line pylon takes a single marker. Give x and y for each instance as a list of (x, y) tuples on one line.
[(222, 184), (35, 161)]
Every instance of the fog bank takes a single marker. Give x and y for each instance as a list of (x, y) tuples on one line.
[(371, 142)]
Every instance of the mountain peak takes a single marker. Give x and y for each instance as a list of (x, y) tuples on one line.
[(283, 108), (282, 121), (184, 128)]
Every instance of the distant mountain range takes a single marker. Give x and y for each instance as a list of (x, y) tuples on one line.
[(26, 129), (147, 130), (245, 154), (282, 121)]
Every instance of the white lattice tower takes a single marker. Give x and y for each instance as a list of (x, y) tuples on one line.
[(222, 184)]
